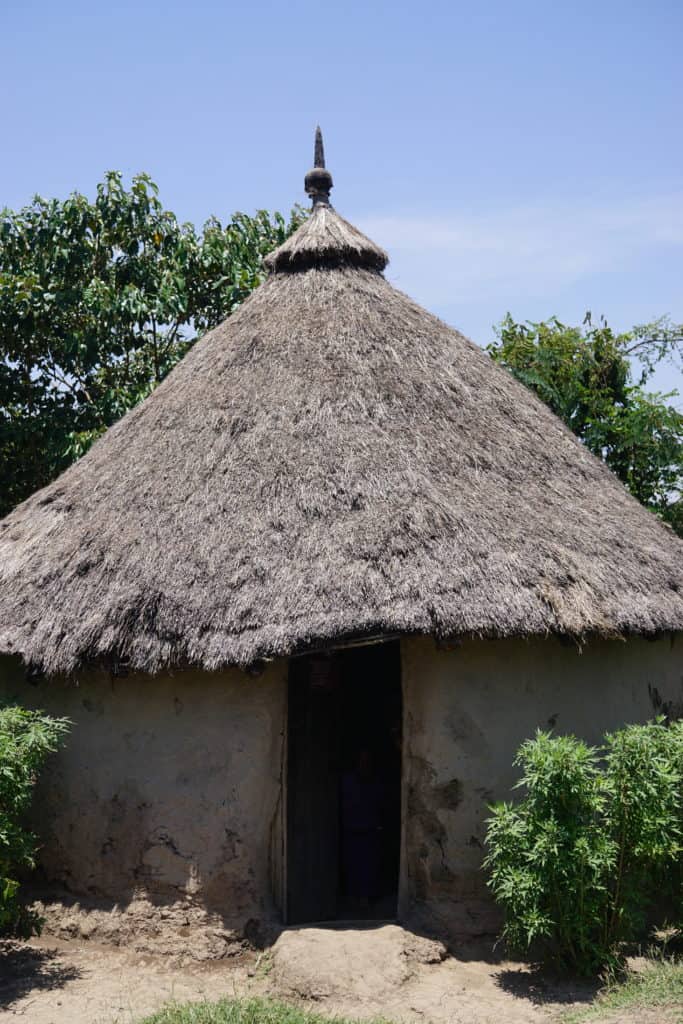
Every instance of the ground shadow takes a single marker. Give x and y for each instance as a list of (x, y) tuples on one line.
[(26, 969), (524, 979), (541, 986)]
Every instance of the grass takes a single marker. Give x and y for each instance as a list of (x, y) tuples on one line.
[(242, 1011), (660, 984)]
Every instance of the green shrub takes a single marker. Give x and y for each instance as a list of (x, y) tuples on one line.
[(26, 739), (580, 860), (643, 779)]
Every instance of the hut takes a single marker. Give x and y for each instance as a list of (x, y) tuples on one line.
[(337, 547)]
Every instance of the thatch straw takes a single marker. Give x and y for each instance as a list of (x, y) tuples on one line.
[(327, 240), (331, 461)]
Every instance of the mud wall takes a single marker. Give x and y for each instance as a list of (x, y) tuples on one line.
[(168, 788), (466, 711)]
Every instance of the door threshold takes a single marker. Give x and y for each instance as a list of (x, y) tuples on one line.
[(351, 922)]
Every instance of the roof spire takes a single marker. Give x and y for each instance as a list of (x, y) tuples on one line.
[(319, 151), (318, 182)]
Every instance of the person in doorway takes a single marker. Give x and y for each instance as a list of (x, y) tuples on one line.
[(362, 820)]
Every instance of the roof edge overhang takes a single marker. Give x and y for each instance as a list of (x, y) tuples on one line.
[(121, 666)]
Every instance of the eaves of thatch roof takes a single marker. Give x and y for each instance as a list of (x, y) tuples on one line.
[(332, 461)]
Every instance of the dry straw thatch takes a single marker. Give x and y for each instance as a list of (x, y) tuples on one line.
[(331, 461)]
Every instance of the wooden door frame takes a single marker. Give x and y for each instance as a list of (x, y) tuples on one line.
[(370, 641)]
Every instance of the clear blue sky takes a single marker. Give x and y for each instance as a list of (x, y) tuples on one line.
[(515, 154)]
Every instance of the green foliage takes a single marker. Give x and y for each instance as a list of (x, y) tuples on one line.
[(643, 783), (26, 739), (242, 1011), (580, 859), (585, 375), (98, 301), (548, 855)]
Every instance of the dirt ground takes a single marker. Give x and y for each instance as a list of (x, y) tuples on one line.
[(361, 972)]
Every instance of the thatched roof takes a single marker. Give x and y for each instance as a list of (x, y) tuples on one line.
[(331, 461)]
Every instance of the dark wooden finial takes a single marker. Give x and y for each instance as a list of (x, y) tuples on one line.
[(319, 151), (318, 182)]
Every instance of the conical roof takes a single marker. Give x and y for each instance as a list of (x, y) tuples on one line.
[(331, 461)]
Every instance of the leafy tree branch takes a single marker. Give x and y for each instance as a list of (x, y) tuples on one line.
[(585, 374)]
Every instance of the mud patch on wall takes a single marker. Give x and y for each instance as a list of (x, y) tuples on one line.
[(469, 738), (426, 831), (163, 868), (671, 709)]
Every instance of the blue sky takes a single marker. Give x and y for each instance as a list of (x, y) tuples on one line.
[(519, 155)]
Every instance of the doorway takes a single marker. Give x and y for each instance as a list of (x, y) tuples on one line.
[(344, 784)]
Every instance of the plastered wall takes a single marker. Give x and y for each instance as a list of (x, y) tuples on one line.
[(466, 711), (168, 786), (172, 787)]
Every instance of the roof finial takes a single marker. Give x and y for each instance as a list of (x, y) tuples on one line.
[(319, 151), (318, 182)]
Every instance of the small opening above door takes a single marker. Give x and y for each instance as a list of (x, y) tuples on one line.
[(344, 784)]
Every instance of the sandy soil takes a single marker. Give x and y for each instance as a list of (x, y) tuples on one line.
[(359, 972)]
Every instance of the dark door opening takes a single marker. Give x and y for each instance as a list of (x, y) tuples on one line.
[(344, 784)]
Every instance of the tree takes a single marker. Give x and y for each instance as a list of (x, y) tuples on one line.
[(98, 301), (586, 375)]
